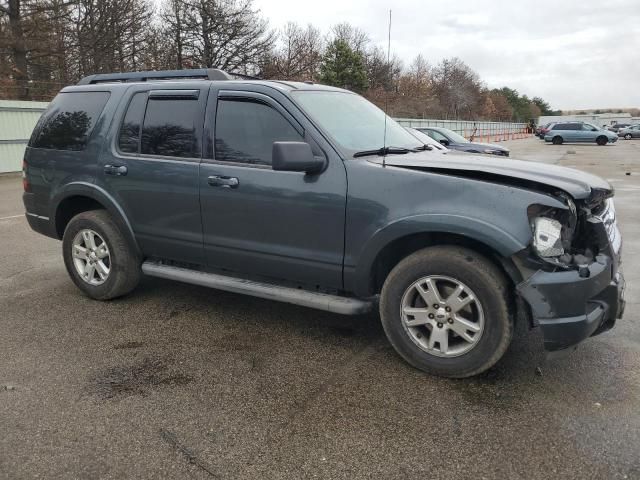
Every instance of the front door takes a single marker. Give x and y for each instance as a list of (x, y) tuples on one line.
[(257, 221)]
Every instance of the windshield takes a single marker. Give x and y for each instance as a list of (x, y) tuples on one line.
[(453, 136), (353, 122)]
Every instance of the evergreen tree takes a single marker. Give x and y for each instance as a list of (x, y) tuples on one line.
[(343, 67)]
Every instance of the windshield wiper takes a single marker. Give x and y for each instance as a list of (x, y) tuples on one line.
[(384, 151)]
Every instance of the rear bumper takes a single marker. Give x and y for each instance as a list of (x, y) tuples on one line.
[(41, 225), (570, 307), (38, 223)]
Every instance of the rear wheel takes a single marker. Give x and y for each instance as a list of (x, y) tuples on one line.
[(602, 140), (97, 256), (557, 140), (445, 311)]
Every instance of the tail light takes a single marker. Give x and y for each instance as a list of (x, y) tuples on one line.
[(25, 182)]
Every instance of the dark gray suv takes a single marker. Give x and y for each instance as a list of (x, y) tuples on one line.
[(306, 194)]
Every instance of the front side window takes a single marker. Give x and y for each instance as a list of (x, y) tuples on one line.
[(69, 121), (170, 127), (246, 130), (437, 136), (455, 137)]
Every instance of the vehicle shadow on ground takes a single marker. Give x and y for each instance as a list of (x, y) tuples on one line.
[(286, 325)]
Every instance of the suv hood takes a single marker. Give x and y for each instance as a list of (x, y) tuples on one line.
[(580, 185)]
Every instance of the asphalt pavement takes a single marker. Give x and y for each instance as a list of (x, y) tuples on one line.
[(178, 381)]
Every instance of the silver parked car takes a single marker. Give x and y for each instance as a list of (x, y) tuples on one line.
[(632, 131), (579, 132)]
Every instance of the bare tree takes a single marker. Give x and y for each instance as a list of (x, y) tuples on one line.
[(355, 38), (298, 55), (17, 46), (457, 87), (226, 34)]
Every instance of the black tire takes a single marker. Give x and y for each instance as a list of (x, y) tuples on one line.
[(628, 136), (482, 277), (602, 141), (557, 140), (124, 272)]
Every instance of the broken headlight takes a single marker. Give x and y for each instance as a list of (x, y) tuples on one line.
[(553, 229), (547, 237)]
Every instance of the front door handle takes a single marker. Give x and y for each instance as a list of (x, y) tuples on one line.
[(221, 181), (117, 170)]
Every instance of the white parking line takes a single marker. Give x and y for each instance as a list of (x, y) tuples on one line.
[(13, 216)]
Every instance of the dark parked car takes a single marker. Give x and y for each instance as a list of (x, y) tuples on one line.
[(579, 132), (454, 141), (297, 192), (427, 140)]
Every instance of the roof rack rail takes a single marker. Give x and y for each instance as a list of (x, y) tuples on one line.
[(202, 73)]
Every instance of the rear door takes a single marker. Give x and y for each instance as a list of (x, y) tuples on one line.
[(572, 132), (151, 168), (257, 221)]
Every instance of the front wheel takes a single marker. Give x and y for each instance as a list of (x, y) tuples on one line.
[(98, 258), (445, 311), (627, 136), (602, 141)]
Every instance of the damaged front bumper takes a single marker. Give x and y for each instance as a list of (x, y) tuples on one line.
[(570, 306)]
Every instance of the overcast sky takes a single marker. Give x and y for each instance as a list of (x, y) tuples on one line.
[(576, 54)]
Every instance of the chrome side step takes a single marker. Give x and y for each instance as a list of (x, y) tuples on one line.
[(320, 301)]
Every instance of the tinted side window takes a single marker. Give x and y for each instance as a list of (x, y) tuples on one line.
[(129, 136), (170, 127), (246, 130), (69, 121)]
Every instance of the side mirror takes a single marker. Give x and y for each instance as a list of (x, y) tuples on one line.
[(295, 157), (445, 142)]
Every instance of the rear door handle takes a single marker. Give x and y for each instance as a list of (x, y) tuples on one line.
[(117, 170), (221, 181)]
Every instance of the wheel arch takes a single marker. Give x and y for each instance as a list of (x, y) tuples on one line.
[(81, 197), (402, 247), (398, 240)]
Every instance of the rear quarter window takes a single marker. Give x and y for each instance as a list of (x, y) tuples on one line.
[(68, 122)]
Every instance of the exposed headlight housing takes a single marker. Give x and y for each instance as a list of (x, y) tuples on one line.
[(547, 237)]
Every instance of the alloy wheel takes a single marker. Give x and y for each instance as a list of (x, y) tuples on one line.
[(442, 316), (91, 257)]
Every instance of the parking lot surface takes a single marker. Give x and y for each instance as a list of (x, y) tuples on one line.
[(178, 381)]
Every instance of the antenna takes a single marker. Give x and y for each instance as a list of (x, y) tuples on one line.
[(386, 99)]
